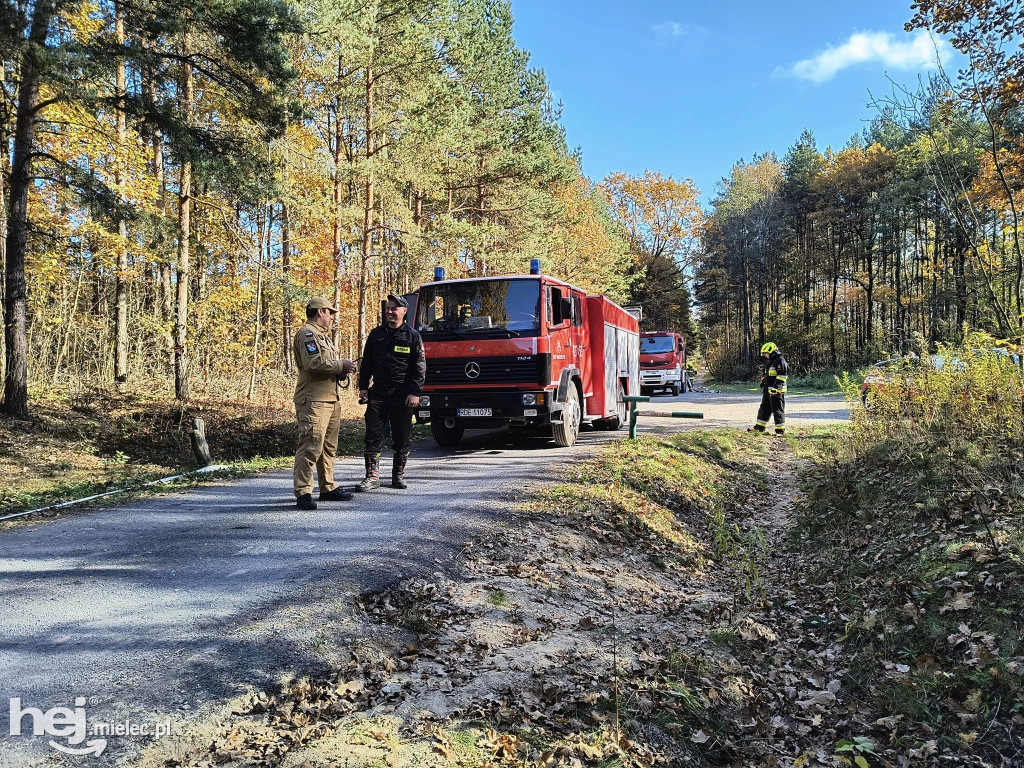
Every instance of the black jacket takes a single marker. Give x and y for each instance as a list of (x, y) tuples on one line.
[(394, 360), (775, 374)]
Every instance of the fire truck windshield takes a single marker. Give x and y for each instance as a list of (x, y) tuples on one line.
[(655, 345), (484, 308)]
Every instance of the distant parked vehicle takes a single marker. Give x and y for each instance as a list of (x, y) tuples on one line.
[(663, 363), (885, 372), (882, 374)]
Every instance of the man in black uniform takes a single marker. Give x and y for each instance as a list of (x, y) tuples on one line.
[(773, 386), (393, 359)]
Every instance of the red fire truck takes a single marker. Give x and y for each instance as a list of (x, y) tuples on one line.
[(523, 351), (663, 362)]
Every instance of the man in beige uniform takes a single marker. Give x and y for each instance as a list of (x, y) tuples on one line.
[(317, 404)]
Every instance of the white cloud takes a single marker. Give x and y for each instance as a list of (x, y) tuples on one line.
[(917, 52), (668, 31)]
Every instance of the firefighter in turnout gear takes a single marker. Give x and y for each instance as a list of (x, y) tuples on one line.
[(393, 359), (322, 372), (773, 388)]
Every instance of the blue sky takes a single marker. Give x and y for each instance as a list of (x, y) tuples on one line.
[(689, 88)]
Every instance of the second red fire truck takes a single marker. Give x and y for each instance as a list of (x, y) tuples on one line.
[(523, 351), (663, 363)]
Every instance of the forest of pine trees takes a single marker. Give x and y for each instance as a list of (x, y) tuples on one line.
[(179, 178), (905, 238)]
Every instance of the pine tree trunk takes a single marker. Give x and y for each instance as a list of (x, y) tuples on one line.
[(747, 330), (368, 203), (869, 290), (286, 267), (479, 261), (805, 235), (3, 242), (256, 332), (266, 257), (165, 289), (121, 276), (833, 361), (181, 361), (336, 213), (286, 263), (16, 290)]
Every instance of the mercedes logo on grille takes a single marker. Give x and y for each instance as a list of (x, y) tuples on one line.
[(472, 370)]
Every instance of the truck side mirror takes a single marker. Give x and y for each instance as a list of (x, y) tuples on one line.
[(565, 309)]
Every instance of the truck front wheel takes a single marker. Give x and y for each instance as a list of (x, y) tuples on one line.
[(565, 433), (444, 436)]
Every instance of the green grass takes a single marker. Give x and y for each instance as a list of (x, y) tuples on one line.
[(734, 386), (679, 499), (19, 501), (673, 493), (811, 385), (818, 381), (723, 636)]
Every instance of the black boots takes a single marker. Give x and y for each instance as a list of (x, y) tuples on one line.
[(305, 501), (372, 480), (338, 494), (398, 472)]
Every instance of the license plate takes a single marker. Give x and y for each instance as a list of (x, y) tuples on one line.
[(474, 411)]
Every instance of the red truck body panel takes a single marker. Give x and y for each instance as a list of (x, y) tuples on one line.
[(614, 341)]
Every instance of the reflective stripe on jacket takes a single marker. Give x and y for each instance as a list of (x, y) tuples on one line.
[(393, 358), (776, 373)]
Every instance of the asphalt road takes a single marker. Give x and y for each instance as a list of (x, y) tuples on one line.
[(163, 604), (739, 409)]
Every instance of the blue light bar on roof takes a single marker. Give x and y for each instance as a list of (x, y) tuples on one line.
[(438, 273), (534, 266)]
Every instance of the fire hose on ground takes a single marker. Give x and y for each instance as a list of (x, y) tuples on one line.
[(634, 412)]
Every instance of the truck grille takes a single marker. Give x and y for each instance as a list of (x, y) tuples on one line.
[(491, 370)]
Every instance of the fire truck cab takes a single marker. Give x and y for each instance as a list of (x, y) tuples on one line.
[(523, 351)]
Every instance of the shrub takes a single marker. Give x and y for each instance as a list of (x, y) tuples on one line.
[(961, 393)]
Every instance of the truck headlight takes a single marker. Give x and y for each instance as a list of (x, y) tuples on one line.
[(529, 399), (424, 401)]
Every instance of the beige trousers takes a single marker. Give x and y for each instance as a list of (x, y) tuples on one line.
[(319, 422)]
